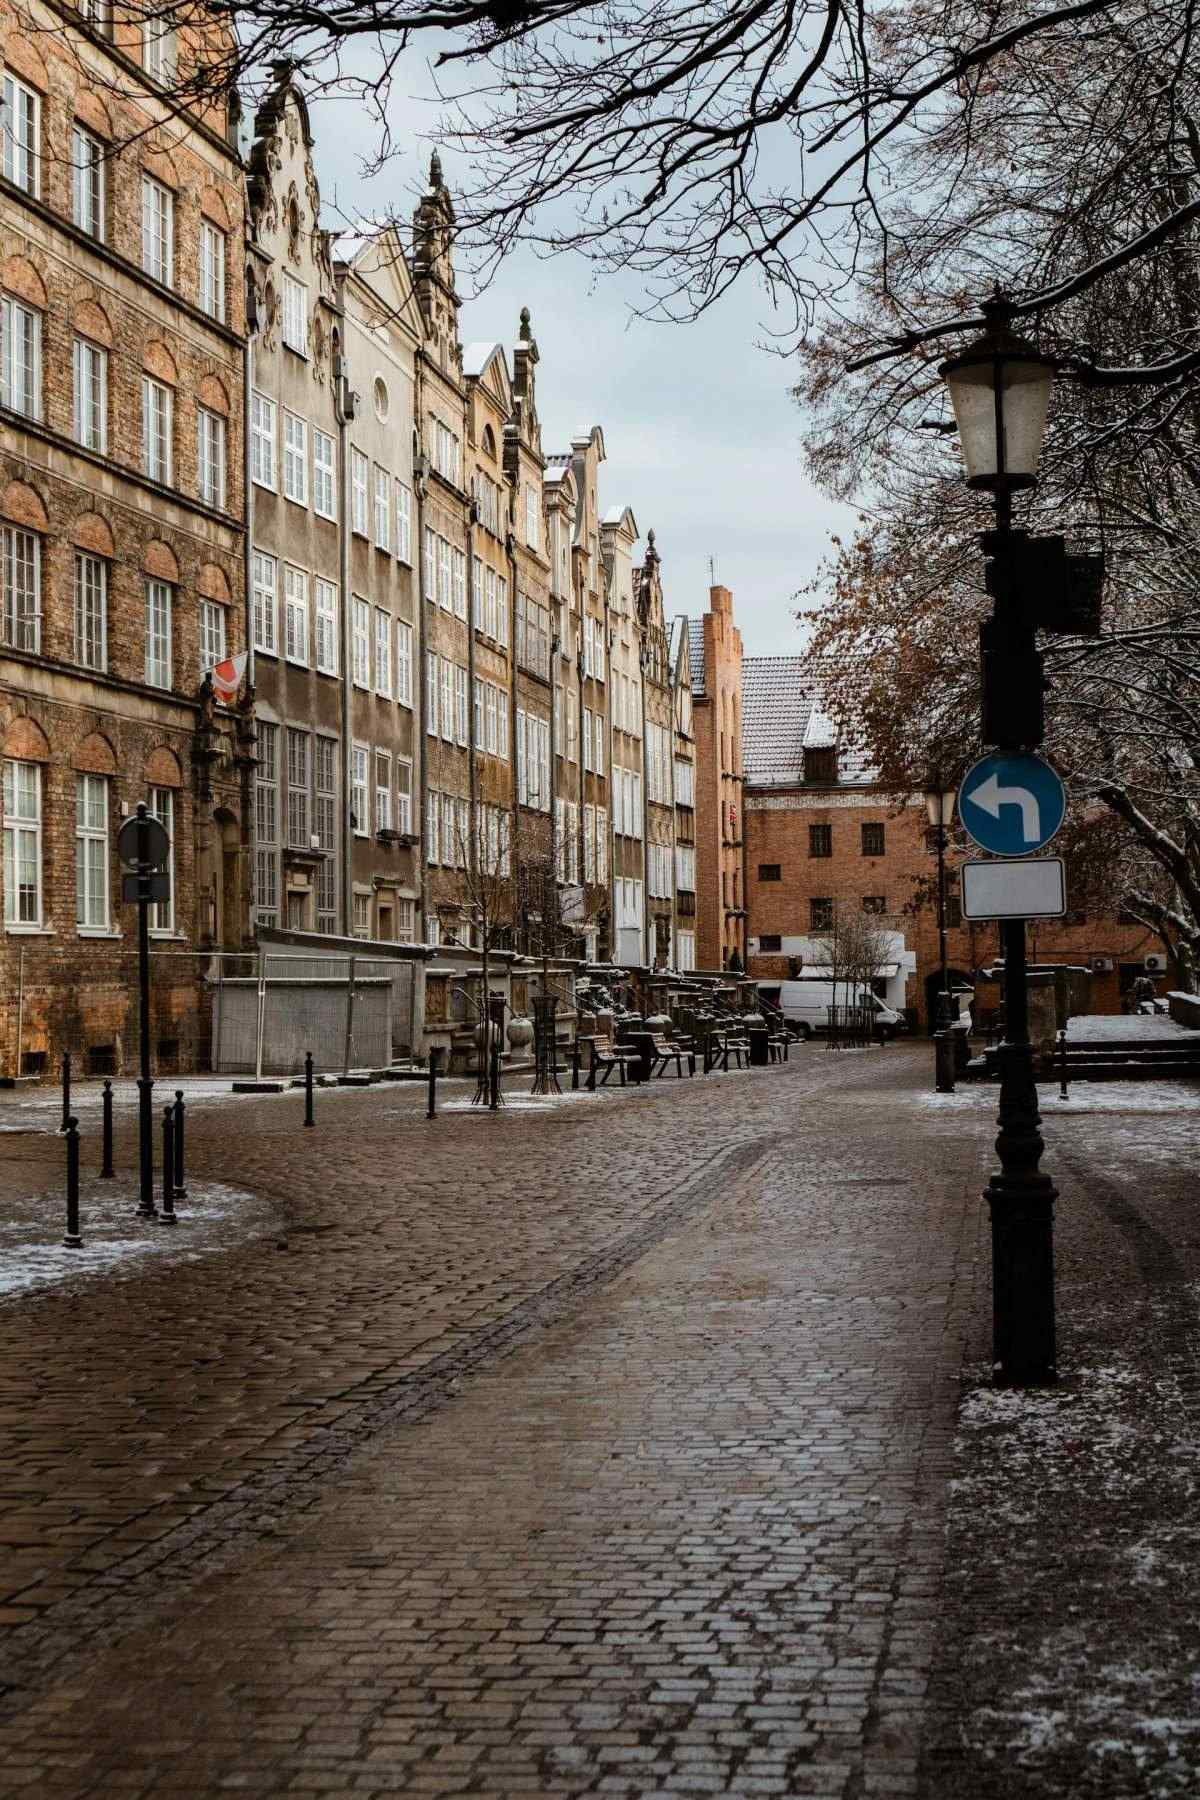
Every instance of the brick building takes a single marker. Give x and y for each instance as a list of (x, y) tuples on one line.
[(121, 494), (684, 793), (624, 725), (715, 650), (821, 835), (658, 762)]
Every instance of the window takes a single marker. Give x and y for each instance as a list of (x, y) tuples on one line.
[(22, 135), (158, 230), (295, 459), (325, 830), (212, 270), (22, 583), (212, 635), (453, 852), (325, 595), (358, 492), (91, 611), (820, 915), (820, 840), (460, 705), (383, 653), (157, 409), (602, 846), (359, 800), (91, 852), (532, 636), (383, 510), (295, 615), (432, 817), (875, 903), (685, 868), (821, 766), (406, 920), (489, 738), (431, 693), (360, 642), (22, 844), (161, 806), (445, 599), (685, 951), (263, 600), (873, 840), (429, 585), (404, 692), (770, 872), (446, 703), (598, 744), (362, 916), (87, 182), (262, 441), (954, 913), (298, 778), (383, 791), (266, 824), (90, 365), (404, 819), (487, 495), (572, 727), (158, 634), (210, 456), (531, 516), (158, 50), (459, 577), (324, 490), (403, 523), (770, 943), (446, 452), (20, 358), (295, 314)]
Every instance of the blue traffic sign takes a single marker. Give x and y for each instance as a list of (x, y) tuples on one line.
[(1011, 805)]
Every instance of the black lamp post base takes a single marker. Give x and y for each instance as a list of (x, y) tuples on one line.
[(1024, 1351)]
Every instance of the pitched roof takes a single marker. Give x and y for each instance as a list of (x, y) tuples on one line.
[(783, 713), (476, 358), (696, 653)]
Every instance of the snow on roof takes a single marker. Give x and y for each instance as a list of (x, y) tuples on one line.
[(476, 357), (782, 704), (677, 633), (696, 653)]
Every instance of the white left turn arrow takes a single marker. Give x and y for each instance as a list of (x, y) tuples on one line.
[(989, 796)]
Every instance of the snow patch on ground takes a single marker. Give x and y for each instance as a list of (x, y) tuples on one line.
[(1085, 1097), (1102, 1027)]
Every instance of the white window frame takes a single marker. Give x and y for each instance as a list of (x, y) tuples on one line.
[(160, 608), (404, 795), (383, 791), (532, 534), (158, 49), (295, 458), (161, 805), (458, 560), (431, 693), (264, 605), (383, 509), (359, 469), (89, 363), (295, 615), (92, 903), (325, 623), (383, 653), (324, 475), (23, 845), (210, 457), (211, 294), (88, 182), (158, 430), (294, 315), (212, 635), (91, 611), (404, 515), (20, 376), (404, 660), (22, 150), (360, 779), (461, 722), (360, 642), (158, 231), (263, 427)]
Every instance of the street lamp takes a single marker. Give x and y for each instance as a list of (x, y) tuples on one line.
[(1000, 389), (939, 805)]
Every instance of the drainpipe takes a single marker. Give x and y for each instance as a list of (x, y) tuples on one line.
[(345, 402), (472, 741), (246, 931)]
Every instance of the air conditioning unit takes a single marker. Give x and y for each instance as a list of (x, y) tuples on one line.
[(1155, 963), (1102, 965)]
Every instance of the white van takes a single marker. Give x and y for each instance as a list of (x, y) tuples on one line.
[(805, 1005)]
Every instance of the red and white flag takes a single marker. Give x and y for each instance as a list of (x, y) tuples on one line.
[(227, 676)]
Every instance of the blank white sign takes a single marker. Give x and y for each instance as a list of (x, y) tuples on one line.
[(1010, 889)]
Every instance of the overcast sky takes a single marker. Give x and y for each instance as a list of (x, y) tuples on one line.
[(702, 437)]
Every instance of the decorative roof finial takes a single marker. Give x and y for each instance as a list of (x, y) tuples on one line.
[(650, 537), (526, 326), (435, 171)]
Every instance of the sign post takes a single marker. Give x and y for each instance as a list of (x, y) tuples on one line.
[(143, 847)]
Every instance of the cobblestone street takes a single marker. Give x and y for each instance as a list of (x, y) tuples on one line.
[(602, 1448)]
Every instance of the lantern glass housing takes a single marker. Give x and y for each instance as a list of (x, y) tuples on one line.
[(939, 804), (1000, 390)]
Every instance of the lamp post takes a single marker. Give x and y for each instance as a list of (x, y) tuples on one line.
[(939, 806), (1000, 389)]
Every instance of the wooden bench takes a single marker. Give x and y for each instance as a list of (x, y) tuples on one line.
[(658, 1053), (608, 1056), (724, 1044)]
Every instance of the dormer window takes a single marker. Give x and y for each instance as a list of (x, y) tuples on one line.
[(820, 766)]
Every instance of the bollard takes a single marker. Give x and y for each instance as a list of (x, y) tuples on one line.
[(309, 1121), (167, 1215), (943, 1061), (494, 1078), (1062, 1066), (72, 1240), (106, 1170), (433, 1062), (66, 1091), (180, 1189), (575, 1068)]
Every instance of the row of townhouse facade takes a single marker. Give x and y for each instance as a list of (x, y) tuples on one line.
[(236, 442)]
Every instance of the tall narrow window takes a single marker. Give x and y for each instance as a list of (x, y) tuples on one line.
[(477, 593), (91, 852), (212, 635), (404, 511), (295, 459), (212, 270), (431, 693), (158, 230), (266, 824), (531, 516), (87, 182), (21, 577), (360, 643), (404, 818), (161, 806), (383, 653), (295, 314), (383, 791), (326, 620), (359, 798), (91, 611), (428, 584), (157, 408), (404, 654), (264, 588), (298, 779), (358, 492), (158, 634), (262, 441), (22, 128), (210, 456), (90, 366), (22, 844), (324, 487), (295, 615), (461, 726), (446, 702), (158, 50), (20, 357), (460, 583), (445, 599), (325, 828), (383, 510)]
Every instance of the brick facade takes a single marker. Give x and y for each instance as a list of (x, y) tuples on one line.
[(716, 659)]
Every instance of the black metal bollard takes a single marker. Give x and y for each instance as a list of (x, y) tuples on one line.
[(167, 1214), (1062, 1066), (575, 1068), (433, 1063), (180, 1189), (494, 1078), (73, 1240), (106, 1169), (66, 1090), (309, 1121), (943, 1061)]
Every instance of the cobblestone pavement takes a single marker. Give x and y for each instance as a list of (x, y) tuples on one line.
[(679, 1529)]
